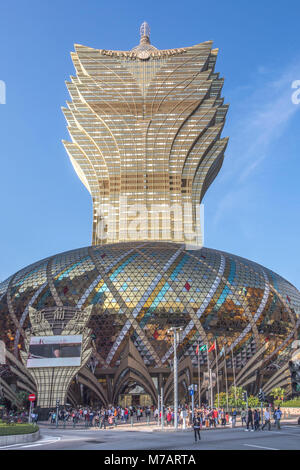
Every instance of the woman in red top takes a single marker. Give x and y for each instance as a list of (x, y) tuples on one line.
[(169, 418), (126, 414)]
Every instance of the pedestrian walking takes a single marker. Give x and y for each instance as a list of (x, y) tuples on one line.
[(267, 416), (53, 417), (169, 418), (196, 426), (277, 417), (256, 417), (215, 416), (126, 414), (243, 417), (102, 420), (91, 417), (223, 417), (131, 412), (234, 415), (148, 413), (249, 420)]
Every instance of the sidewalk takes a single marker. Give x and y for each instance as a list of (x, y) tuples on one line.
[(151, 427), (81, 425)]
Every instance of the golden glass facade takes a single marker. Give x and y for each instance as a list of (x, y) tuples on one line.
[(128, 295), (145, 127)]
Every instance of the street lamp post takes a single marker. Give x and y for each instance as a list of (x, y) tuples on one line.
[(211, 389), (175, 382), (245, 398), (162, 408), (226, 378), (193, 402), (57, 409), (158, 409), (233, 367), (175, 331), (30, 412)]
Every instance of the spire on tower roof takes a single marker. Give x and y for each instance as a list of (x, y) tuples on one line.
[(144, 44), (145, 30)]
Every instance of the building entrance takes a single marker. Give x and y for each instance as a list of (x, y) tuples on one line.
[(135, 400), (135, 397)]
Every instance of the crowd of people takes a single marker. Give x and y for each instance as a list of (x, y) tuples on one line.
[(208, 417), (252, 418), (102, 417), (11, 416), (117, 415), (201, 417), (249, 418)]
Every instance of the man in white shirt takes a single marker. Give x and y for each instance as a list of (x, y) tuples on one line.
[(267, 419)]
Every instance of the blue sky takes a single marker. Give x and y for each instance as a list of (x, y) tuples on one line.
[(252, 208)]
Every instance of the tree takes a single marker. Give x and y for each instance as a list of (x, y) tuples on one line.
[(236, 397), (21, 400), (236, 400), (253, 402), (222, 399), (278, 395)]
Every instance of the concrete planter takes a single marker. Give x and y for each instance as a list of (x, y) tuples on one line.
[(19, 438)]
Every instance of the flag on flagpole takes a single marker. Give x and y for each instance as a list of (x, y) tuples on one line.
[(212, 347), (202, 348), (222, 351)]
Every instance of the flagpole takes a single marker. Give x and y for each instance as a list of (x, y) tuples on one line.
[(208, 370), (216, 348), (199, 395), (233, 366), (226, 382), (211, 390), (210, 380)]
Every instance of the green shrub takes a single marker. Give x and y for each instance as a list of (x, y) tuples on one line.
[(13, 429), (295, 403)]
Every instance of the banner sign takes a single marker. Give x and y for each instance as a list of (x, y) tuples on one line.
[(54, 351)]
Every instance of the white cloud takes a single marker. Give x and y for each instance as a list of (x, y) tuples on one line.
[(256, 122), (271, 110)]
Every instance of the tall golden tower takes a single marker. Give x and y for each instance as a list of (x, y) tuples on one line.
[(145, 129)]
